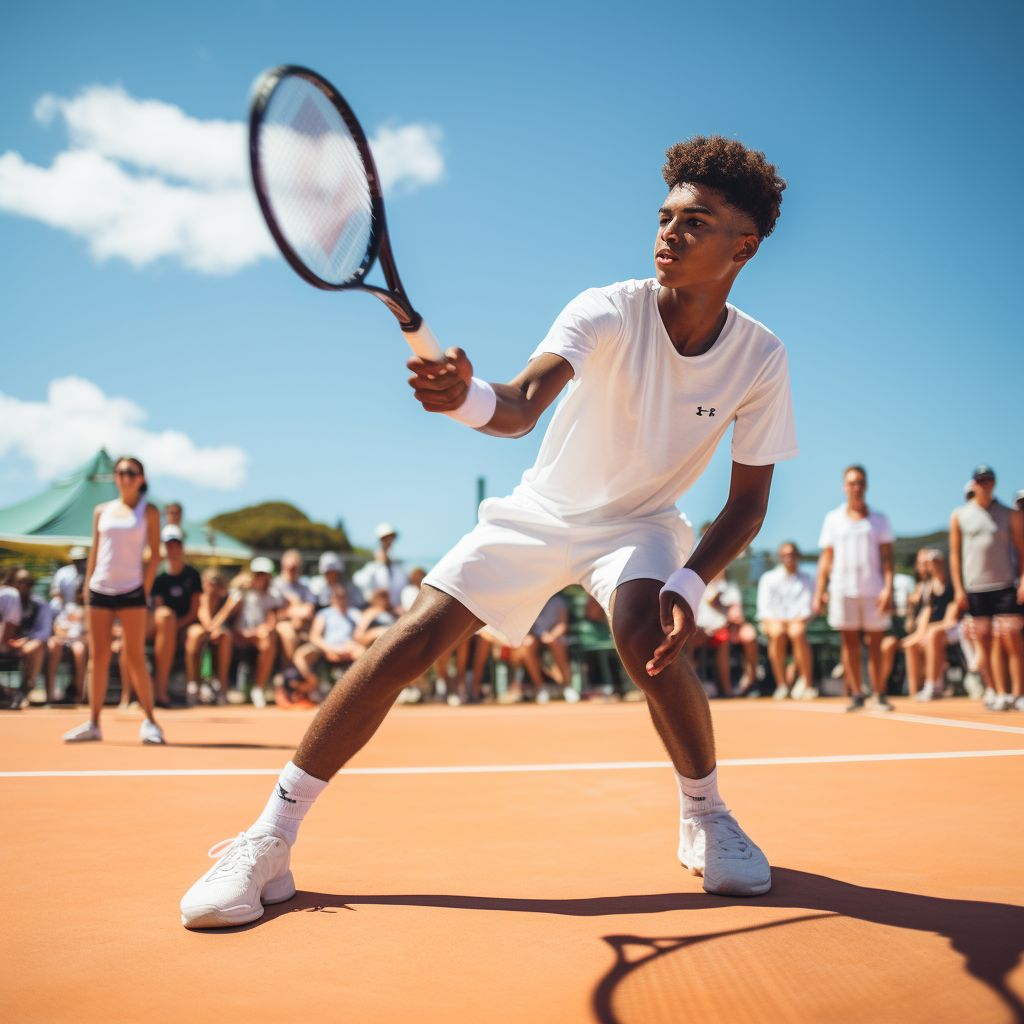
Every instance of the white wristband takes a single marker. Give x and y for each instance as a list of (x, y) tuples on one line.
[(479, 406), (688, 585)]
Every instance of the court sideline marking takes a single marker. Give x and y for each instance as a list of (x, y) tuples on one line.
[(740, 762), (899, 716)]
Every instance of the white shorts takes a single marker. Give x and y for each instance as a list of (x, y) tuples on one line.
[(857, 613), (519, 555)]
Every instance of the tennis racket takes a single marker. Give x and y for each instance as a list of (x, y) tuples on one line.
[(318, 188)]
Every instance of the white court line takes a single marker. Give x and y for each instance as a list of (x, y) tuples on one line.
[(898, 716), (741, 762)]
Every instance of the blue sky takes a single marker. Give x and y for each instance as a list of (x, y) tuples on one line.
[(890, 276)]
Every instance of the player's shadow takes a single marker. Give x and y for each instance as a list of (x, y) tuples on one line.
[(990, 936)]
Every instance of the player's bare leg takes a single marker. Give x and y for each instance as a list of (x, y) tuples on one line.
[(675, 697), (358, 704), (711, 843)]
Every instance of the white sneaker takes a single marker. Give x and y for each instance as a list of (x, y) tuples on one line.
[(797, 690), (781, 692), (258, 697), (453, 700), (925, 693), (150, 732), (87, 732), (713, 845), (248, 874), (191, 694), (571, 695), (1018, 704)]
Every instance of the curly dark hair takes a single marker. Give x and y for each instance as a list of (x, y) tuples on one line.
[(743, 176)]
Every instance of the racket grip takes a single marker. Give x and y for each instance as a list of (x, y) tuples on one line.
[(423, 343)]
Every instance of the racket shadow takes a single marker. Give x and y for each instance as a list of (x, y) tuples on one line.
[(989, 936)]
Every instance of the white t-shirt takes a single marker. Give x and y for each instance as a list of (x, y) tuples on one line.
[(65, 583), (711, 618), (639, 422), (290, 593), (377, 576), (10, 605), (785, 597), (338, 625), (856, 559), (252, 612), (71, 618)]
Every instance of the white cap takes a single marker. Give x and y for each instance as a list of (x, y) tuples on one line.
[(262, 564), (330, 561), (171, 532), (385, 530), (78, 552)]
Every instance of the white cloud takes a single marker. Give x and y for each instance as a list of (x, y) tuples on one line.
[(142, 180), (77, 419)]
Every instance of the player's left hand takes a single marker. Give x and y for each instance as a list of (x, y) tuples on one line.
[(678, 625), (441, 387)]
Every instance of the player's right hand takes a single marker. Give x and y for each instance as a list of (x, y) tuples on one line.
[(441, 387)]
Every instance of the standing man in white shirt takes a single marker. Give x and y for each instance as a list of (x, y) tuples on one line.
[(383, 573), (657, 370), (856, 554), (68, 578), (784, 599)]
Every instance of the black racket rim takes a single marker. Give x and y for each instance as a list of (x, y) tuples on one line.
[(263, 93)]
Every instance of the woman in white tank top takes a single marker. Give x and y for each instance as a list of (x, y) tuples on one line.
[(117, 585)]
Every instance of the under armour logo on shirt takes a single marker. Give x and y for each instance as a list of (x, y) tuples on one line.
[(701, 410)]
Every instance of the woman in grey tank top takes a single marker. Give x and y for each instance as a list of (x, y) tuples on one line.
[(986, 550)]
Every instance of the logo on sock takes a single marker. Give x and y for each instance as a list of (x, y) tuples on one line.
[(688, 795), (283, 794)]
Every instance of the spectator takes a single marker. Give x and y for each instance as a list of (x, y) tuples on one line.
[(175, 599), (375, 619), (720, 625), (934, 628), (294, 617), (784, 596), (68, 637), (331, 571), (383, 572), (212, 626), (550, 631), (331, 638), (172, 514), (412, 588), (255, 625), (28, 642), (67, 580), (913, 651), (118, 583), (982, 536), (855, 580)]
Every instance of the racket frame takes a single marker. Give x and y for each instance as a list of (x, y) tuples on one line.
[(379, 247)]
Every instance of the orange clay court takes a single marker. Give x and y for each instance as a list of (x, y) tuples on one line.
[(486, 864)]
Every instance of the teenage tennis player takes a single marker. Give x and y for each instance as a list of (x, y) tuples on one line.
[(656, 370)]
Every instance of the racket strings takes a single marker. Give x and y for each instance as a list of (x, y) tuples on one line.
[(315, 181)]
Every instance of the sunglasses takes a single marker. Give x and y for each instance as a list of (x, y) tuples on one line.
[(127, 472)]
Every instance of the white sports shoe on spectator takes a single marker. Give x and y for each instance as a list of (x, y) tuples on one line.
[(713, 845), (781, 692), (248, 874), (150, 732), (798, 688), (87, 732), (571, 695), (925, 693)]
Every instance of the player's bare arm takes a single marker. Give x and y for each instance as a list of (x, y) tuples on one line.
[(443, 387), (728, 536)]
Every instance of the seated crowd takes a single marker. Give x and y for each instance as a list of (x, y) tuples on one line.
[(269, 635)]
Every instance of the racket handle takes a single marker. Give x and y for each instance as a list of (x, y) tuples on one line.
[(423, 343)]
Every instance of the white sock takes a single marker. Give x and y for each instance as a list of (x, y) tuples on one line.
[(699, 796), (293, 796)]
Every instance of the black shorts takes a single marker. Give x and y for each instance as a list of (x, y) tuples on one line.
[(129, 599), (986, 603)]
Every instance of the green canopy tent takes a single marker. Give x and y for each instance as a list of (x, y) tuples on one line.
[(59, 518)]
